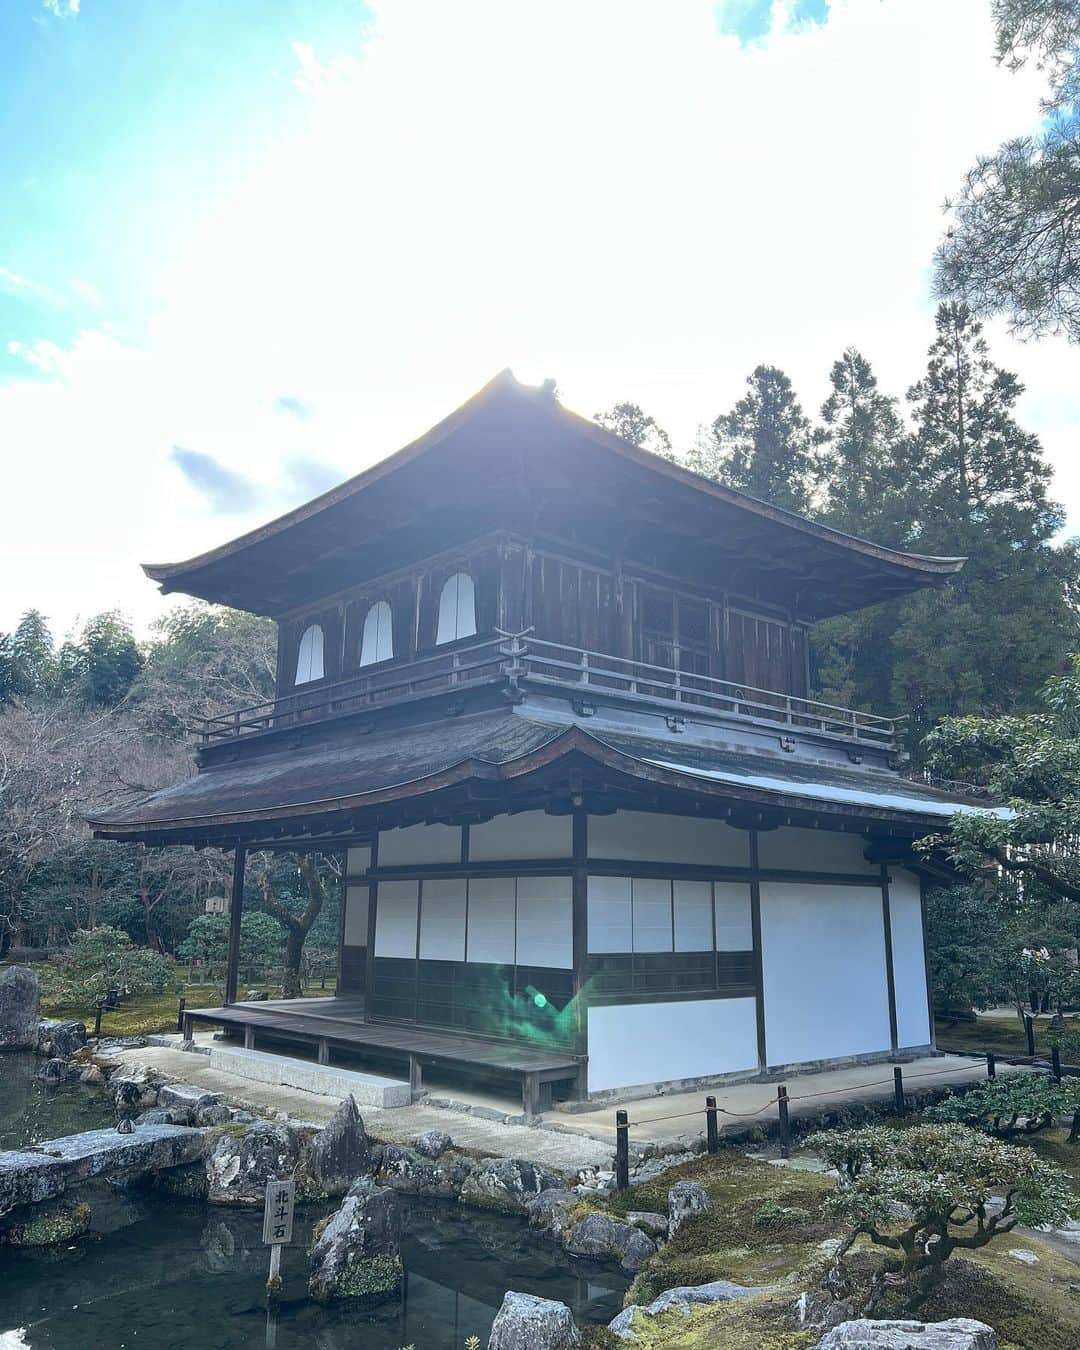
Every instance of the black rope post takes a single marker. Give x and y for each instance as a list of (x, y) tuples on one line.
[(785, 1124), (991, 1064), (180, 1015), (712, 1136), (898, 1089), (622, 1150), (1055, 1061), (1029, 1029)]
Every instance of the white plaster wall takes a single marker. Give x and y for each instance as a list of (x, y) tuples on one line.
[(634, 1044), (813, 850), (909, 968), (442, 920), (823, 954), (395, 919), (491, 920), (359, 860), (531, 834), (649, 836), (693, 916), (356, 916), (545, 922), (420, 844)]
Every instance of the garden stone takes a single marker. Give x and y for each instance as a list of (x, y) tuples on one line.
[(433, 1143), (60, 1040), (214, 1113), (54, 1071), (716, 1291), (164, 1115), (656, 1225), (92, 1075), (1024, 1255), (242, 1117), (601, 1235), (623, 1325), (340, 1152), (357, 1250), (685, 1199), (47, 1225), (957, 1333), (238, 1169), (20, 1003), (550, 1210), (184, 1095), (525, 1322), (506, 1184), (409, 1174)]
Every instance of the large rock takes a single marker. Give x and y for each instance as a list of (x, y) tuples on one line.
[(187, 1098), (340, 1152), (20, 1006), (507, 1184), (685, 1199), (525, 1322), (238, 1169), (357, 1251), (601, 1235), (551, 1211), (681, 1297), (46, 1225), (60, 1040), (439, 1179), (958, 1333)]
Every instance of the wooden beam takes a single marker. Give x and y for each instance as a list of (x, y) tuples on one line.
[(890, 976), (759, 964), (236, 907)]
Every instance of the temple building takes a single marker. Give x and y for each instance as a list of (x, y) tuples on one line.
[(546, 695)]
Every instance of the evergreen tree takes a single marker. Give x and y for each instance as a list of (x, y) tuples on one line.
[(991, 639), (629, 421), (763, 446), (107, 659), (30, 656)]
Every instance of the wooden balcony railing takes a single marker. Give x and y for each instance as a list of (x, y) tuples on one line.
[(527, 660)]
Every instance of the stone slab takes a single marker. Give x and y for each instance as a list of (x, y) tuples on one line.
[(260, 1066)]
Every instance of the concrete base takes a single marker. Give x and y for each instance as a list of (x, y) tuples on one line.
[(258, 1066)]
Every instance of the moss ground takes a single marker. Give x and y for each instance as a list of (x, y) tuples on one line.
[(1004, 1035)]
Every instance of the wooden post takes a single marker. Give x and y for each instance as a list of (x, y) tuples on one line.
[(622, 1150), (1029, 1029), (785, 1125), (180, 1015), (898, 1089), (1055, 1060), (711, 1134), (97, 1021), (236, 905), (991, 1064)]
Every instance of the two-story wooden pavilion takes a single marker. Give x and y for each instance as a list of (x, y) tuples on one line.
[(547, 695)]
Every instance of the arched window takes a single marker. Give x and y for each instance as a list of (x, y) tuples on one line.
[(309, 661), (457, 609), (377, 641)]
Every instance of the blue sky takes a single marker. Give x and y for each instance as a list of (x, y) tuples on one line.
[(250, 246)]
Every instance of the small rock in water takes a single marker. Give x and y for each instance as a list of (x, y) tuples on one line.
[(126, 1126), (525, 1322), (357, 1250), (601, 1235)]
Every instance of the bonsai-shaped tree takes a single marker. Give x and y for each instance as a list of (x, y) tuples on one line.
[(1021, 1103), (923, 1193), (297, 923)]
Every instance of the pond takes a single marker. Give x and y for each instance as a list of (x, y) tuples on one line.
[(163, 1274), (31, 1110)]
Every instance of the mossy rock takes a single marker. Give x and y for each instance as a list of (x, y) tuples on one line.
[(184, 1183), (49, 1226), (371, 1279)]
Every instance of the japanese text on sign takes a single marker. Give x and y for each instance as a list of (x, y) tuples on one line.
[(278, 1214)]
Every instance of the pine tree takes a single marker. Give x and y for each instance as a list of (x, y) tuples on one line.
[(763, 446), (629, 421), (31, 656), (990, 640)]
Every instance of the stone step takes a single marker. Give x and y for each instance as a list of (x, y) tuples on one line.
[(260, 1066)]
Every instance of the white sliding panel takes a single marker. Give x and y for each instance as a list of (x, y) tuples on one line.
[(734, 925), (356, 916), (610, 915), (637, 1043), (693, 916), (909, 962), (652, 915), (395, 919), (545, 922), (491, 920), (442, 920), (823, 954)]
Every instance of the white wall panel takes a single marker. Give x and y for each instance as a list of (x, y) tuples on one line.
[(652, 914), (442, 920), (734, 925), (633, 1044), (531, 834), (395, 919), (823, 953), (356, 916), (693, 916), (813, 850), (545, 922), (649, 836), (491, 920), (359, 860), (610, 915), (909, 968), (420, 844)]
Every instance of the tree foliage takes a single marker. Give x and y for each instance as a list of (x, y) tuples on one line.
[(636, 426), (105, 958), (1019, 1104)]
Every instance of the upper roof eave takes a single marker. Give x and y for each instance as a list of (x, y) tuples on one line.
[(913, 564)]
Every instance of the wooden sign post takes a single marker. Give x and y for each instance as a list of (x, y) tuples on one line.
[(277, 1228)]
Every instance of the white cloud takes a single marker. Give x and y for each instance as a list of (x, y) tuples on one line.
[(63, 9), (613, 194), (86, 290)]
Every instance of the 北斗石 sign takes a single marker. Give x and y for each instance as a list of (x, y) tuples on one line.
[(278, 1214)]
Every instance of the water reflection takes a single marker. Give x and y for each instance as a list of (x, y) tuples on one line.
[(31, 1110), (174, 1275)]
